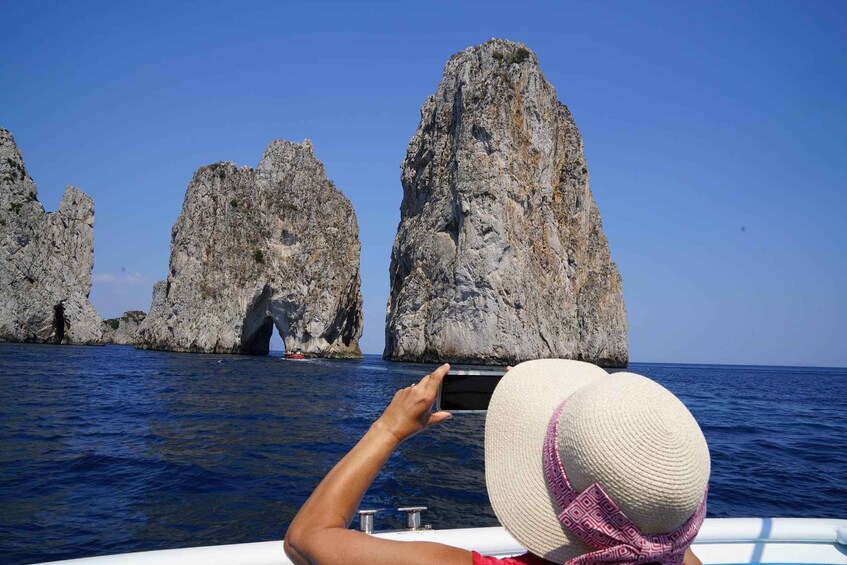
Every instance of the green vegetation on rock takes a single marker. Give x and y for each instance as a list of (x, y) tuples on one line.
[(521, 55)]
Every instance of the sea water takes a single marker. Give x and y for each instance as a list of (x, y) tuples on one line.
[(110, 449)]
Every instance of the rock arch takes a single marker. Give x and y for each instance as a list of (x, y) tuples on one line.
[(253, 249), (259, 322), (259, 340)]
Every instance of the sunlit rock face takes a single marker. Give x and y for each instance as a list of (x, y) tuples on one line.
[(123, 330), (253, 249), (500, 254), (46, 260)]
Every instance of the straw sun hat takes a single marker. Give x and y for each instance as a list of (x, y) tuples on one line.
[(623, 432)]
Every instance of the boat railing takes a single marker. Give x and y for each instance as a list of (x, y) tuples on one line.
[(721, 541)]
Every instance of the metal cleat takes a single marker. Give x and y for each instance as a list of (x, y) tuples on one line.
[(413, 517), (366, 520)]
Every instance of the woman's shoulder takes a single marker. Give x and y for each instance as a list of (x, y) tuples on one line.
[(525, 559)]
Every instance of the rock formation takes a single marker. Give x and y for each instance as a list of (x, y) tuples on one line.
[(45, 260), (253, 249), (500, 254), (123, 330)]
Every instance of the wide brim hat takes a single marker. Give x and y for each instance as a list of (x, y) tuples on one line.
[(623, 431)]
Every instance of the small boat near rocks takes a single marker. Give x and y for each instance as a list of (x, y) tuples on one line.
[(296, 354)]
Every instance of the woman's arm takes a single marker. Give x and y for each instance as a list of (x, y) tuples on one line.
[(319, 532)]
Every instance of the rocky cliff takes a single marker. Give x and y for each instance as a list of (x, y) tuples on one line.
[(123, 330), (45, 259), (500, 254), (253, 249)]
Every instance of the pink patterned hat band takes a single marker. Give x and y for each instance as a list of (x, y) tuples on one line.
[(598, 521)]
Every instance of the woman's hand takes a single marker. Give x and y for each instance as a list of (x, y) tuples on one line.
[(411, 409)]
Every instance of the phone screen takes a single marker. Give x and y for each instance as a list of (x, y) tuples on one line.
[(467, 391)]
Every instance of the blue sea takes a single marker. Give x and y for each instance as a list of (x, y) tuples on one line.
[(109, 449)]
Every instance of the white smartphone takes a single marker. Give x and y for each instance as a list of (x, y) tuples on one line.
[(467, 391)]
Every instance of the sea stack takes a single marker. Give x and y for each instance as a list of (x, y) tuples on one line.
[(47, 258), (500, 254), (253, 249)]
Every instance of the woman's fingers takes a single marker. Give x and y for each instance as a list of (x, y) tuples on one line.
[(433, 380), (438, 417), (411, 409)]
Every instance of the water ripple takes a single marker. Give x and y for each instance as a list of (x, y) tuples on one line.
[(109, 449)]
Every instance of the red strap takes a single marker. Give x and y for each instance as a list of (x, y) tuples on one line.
[(525, 559)]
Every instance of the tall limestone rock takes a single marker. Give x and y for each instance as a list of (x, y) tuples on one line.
[(45, 260), (500, 254), (253, 249)]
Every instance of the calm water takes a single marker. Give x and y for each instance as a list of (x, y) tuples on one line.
[(106, 450)]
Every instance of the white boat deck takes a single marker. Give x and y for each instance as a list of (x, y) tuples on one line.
[(720, 541)]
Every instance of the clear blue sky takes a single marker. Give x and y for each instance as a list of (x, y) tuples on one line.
[(715, 134)]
